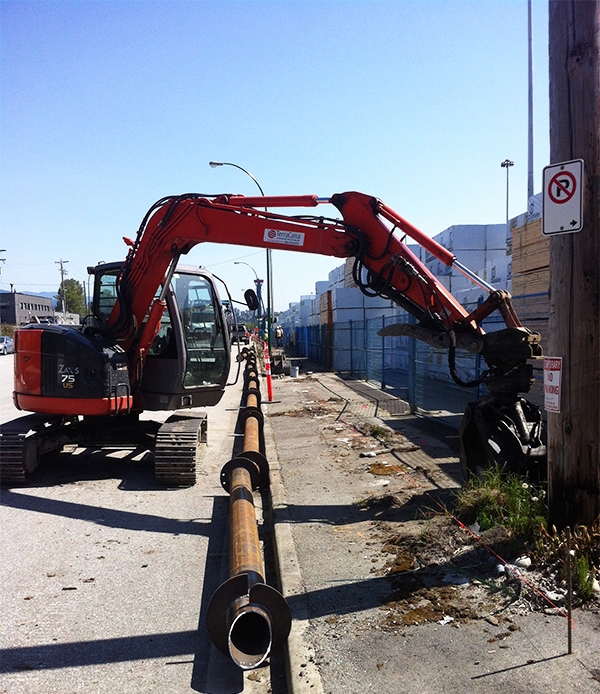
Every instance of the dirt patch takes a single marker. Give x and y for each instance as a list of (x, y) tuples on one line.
[(447, 605), (438, 543), (307, 411), (383, 469), (381, 434), (439, 572)]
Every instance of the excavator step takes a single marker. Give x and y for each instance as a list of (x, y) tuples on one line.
[(176, 452)]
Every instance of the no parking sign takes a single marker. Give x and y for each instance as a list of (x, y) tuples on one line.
[(562, 202), (552, 383)]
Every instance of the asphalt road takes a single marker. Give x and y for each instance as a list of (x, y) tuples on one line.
[(105, 577)]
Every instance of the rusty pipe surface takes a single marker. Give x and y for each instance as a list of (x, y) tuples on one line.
[(251, 426), (247, 618), (244, 547), (251, 435)]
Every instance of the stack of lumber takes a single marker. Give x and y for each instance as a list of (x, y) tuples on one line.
[(325, 308), (326, 316), (348, 277), (530, 284), (530, 259)]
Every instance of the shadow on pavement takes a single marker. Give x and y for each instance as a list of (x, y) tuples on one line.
[(183, 646), (228, 676), (387, 507), (101, 651), (105, 516)]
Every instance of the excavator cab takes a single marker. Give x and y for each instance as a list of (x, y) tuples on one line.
[(188, 362), (88, 388)]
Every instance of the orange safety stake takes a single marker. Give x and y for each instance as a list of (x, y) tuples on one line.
[(268, 370)]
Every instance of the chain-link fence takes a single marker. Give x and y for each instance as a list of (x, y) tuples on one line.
[(408, 368)]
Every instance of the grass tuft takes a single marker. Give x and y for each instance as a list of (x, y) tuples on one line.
[(497, 498)]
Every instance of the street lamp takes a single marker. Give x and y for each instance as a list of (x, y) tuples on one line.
[(2, 260), (214, 165), (258, 284), (241, 262), (506, 164)]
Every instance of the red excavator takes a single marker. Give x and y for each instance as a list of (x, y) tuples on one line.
[(158, 337)]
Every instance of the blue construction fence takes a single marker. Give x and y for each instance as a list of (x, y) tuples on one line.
[(409, 368)]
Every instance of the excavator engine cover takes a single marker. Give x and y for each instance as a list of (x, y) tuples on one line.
[(59, 369)]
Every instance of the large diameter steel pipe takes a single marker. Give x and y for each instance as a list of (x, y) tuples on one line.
[(250, 634), (246, 618), (244, 547)]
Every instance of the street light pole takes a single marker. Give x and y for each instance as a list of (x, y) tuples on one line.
[(506, 164), (529, 106), (2, 260), (258, 284), (214, 165)]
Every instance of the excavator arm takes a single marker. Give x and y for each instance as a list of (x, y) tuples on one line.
[(176, 224), (105, 364), (369, 231)]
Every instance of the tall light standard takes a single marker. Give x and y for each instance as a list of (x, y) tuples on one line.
[(529, 106), (2, 260), (506, 164), (258, 284), (214, 165)]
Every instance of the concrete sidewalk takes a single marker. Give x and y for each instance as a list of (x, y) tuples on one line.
[(331, 525)]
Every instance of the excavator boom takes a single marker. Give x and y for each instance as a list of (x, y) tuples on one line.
[(174, 225), (163, 342)]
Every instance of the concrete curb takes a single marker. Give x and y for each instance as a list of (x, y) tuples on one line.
[(302, 673)]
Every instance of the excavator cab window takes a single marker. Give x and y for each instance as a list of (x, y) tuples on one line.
[(164, 344), (191, 338), (105, 293), (203, 330), (105, 297)]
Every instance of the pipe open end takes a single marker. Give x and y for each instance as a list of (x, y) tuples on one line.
[(250, 637)]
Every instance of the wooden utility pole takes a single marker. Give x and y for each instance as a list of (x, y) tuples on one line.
[(574, 326), (63, 272)]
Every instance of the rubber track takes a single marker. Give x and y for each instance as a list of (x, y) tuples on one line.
[(176, 452), (12, 440)]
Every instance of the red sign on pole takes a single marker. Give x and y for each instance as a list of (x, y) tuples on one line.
[(562, 187), (552, 383)]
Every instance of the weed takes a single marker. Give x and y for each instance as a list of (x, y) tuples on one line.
[(583, 579), (425, 534), (496, 498), (551, 547), (380, 432)]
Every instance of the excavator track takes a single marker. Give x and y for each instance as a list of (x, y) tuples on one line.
[(12, 443), (176, 452), (20, 447)]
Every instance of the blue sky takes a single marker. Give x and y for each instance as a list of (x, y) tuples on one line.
[(107, 106)]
